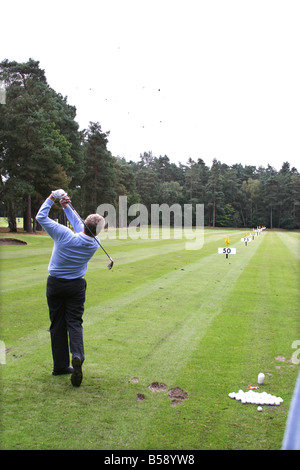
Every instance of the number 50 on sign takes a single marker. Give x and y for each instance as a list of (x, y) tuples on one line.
[(227, 251)]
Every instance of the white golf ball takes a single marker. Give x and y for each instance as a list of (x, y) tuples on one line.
[(261, 378), (259, 408)]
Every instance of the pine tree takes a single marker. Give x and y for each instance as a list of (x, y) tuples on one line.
[(35, 153), (99, 175)]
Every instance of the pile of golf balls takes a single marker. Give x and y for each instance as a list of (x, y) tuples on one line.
[(256, 398)]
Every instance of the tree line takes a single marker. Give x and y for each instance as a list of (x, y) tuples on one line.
[(42, 148)]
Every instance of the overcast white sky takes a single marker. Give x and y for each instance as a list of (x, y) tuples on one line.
[(183, 78)]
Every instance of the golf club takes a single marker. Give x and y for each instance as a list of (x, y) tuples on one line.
[(110, 265)]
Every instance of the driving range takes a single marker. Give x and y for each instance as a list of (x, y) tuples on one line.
[(169, 333)]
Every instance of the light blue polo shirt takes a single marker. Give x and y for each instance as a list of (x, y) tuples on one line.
[(72, 251)]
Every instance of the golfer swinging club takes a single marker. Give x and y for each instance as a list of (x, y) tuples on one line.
[(66, 285)]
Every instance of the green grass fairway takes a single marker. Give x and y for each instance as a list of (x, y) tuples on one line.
[(188, 319)]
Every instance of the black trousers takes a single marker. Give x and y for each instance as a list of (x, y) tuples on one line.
[(66, 299)]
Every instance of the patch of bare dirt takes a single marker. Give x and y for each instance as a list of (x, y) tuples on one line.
[(177, 395), (157, 387), (140, 397)]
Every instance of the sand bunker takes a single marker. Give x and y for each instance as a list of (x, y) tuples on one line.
[(11, 241)]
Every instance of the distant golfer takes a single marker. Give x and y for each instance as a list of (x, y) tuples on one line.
[(66, 285)]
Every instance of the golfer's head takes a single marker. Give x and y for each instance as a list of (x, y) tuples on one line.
[(94, 224)]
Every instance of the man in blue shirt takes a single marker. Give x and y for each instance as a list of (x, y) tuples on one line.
[(66, 285)]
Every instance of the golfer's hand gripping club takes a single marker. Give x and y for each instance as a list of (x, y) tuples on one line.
[(59, 194)]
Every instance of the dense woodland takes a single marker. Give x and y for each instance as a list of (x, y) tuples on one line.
[(42, 148)]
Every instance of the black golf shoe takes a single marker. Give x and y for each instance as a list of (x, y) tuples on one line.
[(67, 370), (76, 377)]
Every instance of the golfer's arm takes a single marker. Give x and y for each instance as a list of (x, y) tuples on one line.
[(55, 230), (74, 220)]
